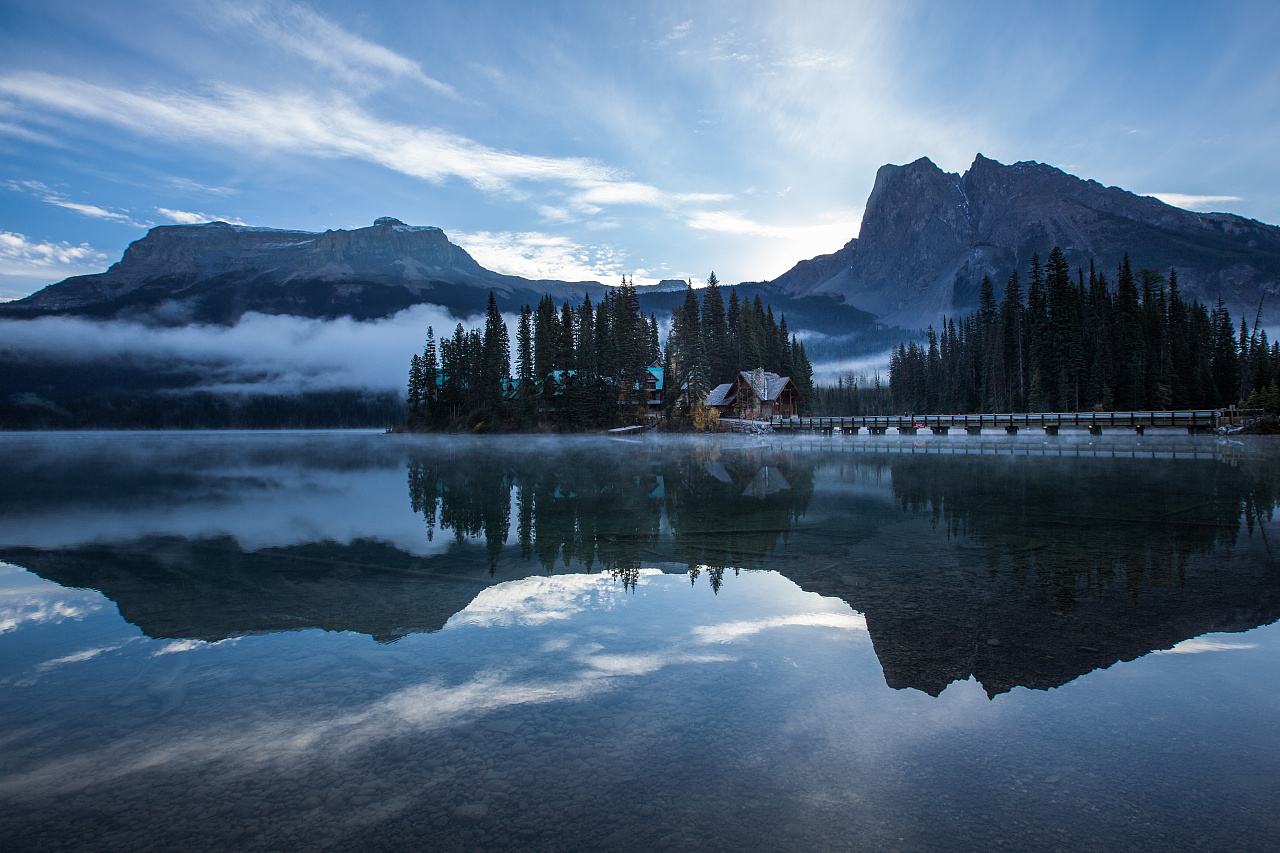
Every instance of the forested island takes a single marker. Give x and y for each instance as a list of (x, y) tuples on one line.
[(596, 366)]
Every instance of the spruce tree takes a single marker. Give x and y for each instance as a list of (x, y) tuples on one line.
[(495, 357), (524, 359), (430, 371), (1013, 337), (715, 333), (734, 329), (413, 399)]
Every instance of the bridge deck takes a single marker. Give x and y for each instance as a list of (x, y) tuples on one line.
[(1190, 419)]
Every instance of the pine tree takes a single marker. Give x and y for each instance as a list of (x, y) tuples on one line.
[(430, 372), (524, 358), (653, 343), (413, 399), (1224, 357), (687, 353), (566, 346), (546, 339), (715, 333), (733, 324), (495, 356), (586, 349), (1128, 347), (1013, 337), (1042, 371)]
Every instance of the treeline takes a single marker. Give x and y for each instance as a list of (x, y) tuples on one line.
[(1078, 343), (574, 367), (709, 343), (852, 394), (589, 366)]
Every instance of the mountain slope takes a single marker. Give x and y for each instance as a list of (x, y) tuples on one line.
[(929, 236), (217, 272)]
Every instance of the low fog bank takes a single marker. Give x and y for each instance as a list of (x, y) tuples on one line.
[(269, 354), (866, 366), (266, 371)]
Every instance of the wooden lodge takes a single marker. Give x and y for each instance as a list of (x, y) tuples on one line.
[(756, 394)]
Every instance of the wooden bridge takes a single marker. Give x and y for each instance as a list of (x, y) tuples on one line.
[(1192, 420)]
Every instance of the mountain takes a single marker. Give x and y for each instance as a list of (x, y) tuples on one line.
[(929, 236), (217, 272)]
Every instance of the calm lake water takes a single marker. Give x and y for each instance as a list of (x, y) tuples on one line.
[(368, 642)]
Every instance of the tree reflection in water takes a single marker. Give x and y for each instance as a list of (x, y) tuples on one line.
[(723, 509)]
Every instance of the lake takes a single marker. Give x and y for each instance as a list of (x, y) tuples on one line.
[(359, 641)]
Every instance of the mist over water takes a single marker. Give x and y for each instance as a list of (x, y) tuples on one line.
[(341, 639)]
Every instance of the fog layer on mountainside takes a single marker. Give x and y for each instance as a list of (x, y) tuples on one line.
[(260, 354)]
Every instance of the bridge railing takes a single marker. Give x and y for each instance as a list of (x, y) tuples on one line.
[(1198, 418)]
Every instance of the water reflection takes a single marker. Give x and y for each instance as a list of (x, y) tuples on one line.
[(270, 642), (1014, 570)]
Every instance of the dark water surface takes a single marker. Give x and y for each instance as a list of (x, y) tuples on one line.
[(368, 642)]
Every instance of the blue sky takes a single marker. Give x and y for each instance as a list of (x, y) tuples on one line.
[(580, 140)]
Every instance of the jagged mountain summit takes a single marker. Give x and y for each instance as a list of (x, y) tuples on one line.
[(929, 236), (216, 272)]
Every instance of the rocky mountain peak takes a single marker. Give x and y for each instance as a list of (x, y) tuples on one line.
[(929, 236)]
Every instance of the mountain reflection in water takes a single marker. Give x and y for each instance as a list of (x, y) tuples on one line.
[(1001, 561)]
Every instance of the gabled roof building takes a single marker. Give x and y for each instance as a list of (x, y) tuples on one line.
[(756, 394)]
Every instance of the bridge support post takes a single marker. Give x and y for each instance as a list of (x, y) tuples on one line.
[(1050, 429), (972, 430), (1139, 429), (906, 430), (876, 430), (1094, 429), (940, 430), (852, 430), (1011, 429)]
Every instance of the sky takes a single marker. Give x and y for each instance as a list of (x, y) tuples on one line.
[(588, 141)]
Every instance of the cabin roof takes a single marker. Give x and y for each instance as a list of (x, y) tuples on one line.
[(721, 395), (767, 386)]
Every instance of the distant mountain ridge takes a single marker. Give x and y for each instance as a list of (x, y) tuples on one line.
[(929, 236), (216, 272)]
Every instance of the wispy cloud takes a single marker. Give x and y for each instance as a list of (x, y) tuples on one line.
[(179, 646), (310, 35), (840, 225), (189, 186), (1195, 202), (336, 127), (1201, 645), (678, 32), (534, 254), (77, 657), (729, 632), (58, 199), (25, 133), (188, 217)]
